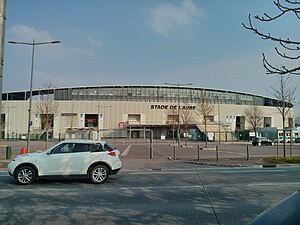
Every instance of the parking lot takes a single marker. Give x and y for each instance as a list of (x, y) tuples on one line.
[(194, 150)]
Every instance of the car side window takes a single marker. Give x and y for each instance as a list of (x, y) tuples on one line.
[(63, 148), (96, 148), (81, 147)]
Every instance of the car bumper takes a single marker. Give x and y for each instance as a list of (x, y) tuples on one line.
[(11, 167), (116, 171)]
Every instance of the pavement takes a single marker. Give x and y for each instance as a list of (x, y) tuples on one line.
[(3, 165), (130, 163), (142, 160)]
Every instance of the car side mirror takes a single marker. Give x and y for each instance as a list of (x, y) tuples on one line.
[(49, 153)]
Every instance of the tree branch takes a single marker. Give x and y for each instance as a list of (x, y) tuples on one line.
[(279, 70), (283, 55)]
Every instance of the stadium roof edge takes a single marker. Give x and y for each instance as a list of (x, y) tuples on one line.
[(36, 91)]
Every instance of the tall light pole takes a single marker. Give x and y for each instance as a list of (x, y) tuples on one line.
[(178, 87), (2, 40), (33, 44)]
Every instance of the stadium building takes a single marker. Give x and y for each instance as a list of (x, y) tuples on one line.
[(130, 111)]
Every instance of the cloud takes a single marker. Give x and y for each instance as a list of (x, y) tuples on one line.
[(166, 18), (26, 33), (94, 41)]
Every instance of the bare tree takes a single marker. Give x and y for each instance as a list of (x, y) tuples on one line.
[(205, 110), (172, 121), (254, 116), (288, 49), (71, 119), (186, 117), (3, 125), (284, 92), (47, 109)]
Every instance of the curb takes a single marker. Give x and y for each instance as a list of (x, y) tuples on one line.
[(228, 165), (266, 165)]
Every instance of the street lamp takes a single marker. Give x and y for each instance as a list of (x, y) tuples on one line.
[(178, 86), (33, 44)]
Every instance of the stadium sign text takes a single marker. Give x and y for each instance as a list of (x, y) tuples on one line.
[(174, 107)]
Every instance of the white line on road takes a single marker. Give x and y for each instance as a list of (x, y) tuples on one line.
[(162, 172), (125, 153), (253, 171), (274, 184), (39, 189), (161, 187)]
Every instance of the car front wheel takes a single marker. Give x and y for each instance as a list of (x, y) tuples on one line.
[(99, 174), (25, 175)]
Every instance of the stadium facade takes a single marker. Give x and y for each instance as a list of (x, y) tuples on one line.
[(132, 110)]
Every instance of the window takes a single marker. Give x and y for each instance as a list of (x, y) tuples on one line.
[(63, 148), (96, 148), (81, 148), (107, 147)]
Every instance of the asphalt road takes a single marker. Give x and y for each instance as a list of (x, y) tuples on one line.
[(149, 192)]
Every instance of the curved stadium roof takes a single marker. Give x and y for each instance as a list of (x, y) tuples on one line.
[(147, 93)]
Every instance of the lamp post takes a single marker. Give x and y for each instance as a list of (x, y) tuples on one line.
[(178, 86), (33, 44)]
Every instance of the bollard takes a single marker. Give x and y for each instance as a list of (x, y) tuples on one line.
[(217, 153), (198, 152), (248, 156), (174, 152), (151, 145), (8, 152)]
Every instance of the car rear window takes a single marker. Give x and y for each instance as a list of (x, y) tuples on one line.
[(108, 147)]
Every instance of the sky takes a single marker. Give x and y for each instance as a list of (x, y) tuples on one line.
[(142, 42)]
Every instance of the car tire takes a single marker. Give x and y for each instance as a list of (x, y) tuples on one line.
[(25, 175), (99, 174)]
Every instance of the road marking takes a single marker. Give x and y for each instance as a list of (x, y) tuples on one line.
[(253, 171), (125, 153), (274, 184), (162, 172), (161, 187), (39, 189)]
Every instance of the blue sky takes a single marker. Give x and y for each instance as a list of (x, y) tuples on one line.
[(140, 42)]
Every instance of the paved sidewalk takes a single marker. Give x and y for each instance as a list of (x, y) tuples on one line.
[(131, 164), (137, 155)]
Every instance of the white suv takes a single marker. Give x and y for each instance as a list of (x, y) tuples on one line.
[(95, 159)]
